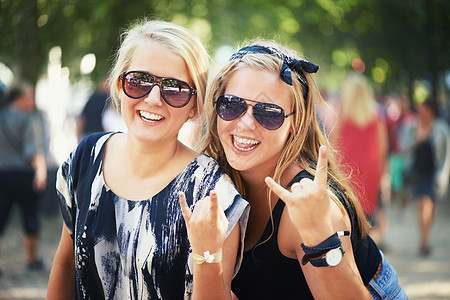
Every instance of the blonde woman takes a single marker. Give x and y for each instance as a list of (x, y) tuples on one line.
[(124, 235), (262, 128), (361, 137)]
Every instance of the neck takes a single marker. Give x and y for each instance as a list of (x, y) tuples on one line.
[(254, 180), (256, 188), (426, 121), (149, 160)]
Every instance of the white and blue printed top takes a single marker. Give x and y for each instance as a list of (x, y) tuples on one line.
[(127, 249)]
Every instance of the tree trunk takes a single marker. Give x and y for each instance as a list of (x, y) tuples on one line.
[(28, 64)]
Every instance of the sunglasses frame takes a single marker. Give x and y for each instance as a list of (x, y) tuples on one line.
[(253, 111), (158, 81)]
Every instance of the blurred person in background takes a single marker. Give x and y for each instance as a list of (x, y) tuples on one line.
[(399, 116), (361, 137), (427, 145), (2, 94), (90, 119), (23, 170)]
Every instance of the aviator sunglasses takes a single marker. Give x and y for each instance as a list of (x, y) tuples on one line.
[(268, 115), (137, 84)]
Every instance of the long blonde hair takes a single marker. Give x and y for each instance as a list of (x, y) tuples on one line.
[(302, 145), (177, 39), (357, 100)]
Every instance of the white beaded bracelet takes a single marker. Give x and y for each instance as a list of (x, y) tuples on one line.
[(207, 257)]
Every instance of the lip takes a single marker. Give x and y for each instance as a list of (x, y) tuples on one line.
[(150, 117), (243, 145)]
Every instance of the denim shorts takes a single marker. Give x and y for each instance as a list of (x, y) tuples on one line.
[(387, 285)]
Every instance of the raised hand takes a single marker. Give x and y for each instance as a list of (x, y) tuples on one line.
[(308, 203), (206, 225)]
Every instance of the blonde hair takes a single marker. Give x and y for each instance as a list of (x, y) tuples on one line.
[(302, 145), (177, 39), (358, 100)]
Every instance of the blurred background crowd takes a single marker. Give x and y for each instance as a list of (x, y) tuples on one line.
[(384, 75)]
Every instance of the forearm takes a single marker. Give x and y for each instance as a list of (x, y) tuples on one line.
[(339, 282), (61, 282), (38, 163), (342, 281), (213, 280), (209, 282), (40, 171)]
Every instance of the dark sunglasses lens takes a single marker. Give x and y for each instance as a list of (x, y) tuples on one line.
[(137, 84), (176, 92), (270, 116), (230, 107)]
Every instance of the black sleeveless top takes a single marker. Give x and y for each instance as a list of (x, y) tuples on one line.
[(423, 157), (266, 273)]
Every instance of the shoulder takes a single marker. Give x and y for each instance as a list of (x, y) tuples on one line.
[(211, 177), (204, 165), (16, 115), (95, 138), (94, 141), (296, 175), (87, 151), (205, 161), (441, 126)]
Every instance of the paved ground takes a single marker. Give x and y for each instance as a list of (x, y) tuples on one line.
[(422, 278)]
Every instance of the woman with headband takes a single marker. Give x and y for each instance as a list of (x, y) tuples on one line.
[(124, 235), (307, 235)]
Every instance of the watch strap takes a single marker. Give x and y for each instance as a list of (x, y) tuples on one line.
[(322, 260)]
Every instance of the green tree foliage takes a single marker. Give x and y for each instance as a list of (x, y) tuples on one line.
[(398, 41)]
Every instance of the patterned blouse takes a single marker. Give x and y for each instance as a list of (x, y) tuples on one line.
[(126, 249)]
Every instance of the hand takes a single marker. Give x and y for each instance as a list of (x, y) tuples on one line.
[(308, 203), (40, 181), (206, 225)]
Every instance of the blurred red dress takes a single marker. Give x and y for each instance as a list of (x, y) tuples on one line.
[(360, 152)]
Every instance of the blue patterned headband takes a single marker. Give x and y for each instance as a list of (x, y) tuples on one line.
[(289, 64)]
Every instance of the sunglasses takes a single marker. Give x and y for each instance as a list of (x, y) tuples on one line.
[(268, 115), (137, 84)]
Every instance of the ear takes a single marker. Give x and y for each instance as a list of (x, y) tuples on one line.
[(119, 84)]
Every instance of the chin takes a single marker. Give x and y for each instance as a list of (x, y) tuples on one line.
[(238, 163)]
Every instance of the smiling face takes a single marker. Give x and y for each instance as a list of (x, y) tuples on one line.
[(150, 118), (248, 146)]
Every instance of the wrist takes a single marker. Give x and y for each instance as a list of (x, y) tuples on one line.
[(328, 253), (315, 235), (207, 257)]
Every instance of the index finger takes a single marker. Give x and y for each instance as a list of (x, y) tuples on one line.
[(184, 207), (322, 167), (213, 205)]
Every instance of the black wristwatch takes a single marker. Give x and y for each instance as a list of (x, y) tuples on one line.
[(329, 259)]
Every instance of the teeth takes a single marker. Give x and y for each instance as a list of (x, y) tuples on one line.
[(150, 116), (245, 141), (252, 144)]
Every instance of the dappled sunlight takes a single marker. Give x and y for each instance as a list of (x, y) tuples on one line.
[(428, 289), (22, 293)]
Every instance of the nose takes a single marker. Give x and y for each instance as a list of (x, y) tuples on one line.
[(247, 120), (154, 97)]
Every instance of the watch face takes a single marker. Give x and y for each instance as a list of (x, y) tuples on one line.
[(334, 257)]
